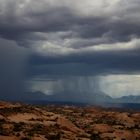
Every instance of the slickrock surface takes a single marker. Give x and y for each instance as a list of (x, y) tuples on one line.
[(51, 122)]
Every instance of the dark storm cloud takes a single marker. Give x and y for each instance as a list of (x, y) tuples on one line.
[(56, 19), (71, 43), (62, 18), (32, 24), (87, 63)]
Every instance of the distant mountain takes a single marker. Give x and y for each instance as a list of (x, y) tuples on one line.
[(128, 99), (97, 97), (67, 96)]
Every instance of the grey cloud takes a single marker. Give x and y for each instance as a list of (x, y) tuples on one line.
[(22, 23), (87, 64), (70, 27), (69, 42), (53, 18)]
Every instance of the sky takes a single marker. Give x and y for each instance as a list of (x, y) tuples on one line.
[(69, 45)]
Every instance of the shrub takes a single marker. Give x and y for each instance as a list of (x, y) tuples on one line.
[(95, 137), (25, 138), (17, 127), (53, 136)]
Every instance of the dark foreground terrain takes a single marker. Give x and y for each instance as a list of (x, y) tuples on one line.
[(53, 122)]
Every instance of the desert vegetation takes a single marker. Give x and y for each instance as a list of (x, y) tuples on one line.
[(51, 122)]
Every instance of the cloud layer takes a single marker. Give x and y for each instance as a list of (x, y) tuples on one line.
[(74, 38), (100, 32)]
